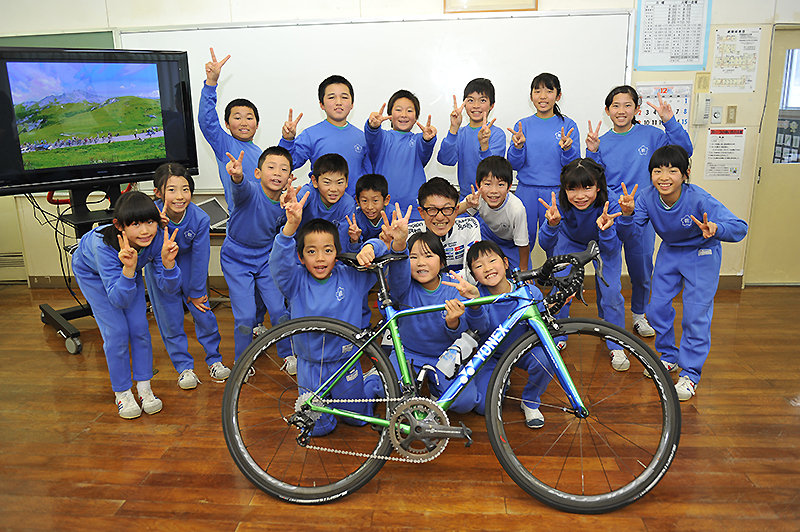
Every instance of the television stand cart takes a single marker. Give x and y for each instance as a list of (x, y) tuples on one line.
[(82, 220)]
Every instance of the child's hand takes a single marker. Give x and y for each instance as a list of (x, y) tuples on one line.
[(626, 202), (428, 131), (455, 309), (234, 167), (664, 110), (169, 249), (396, 231), (565, 141), (709, 228), (213, 68), (127, 256), (164, 217), (456, 116), (517, 137), (353, 231), (485, 132), (605, 220), (376, 119), (552, 214), (464, 288), (289, 129), (366, 255), (593, 137), (199, 303), (294, 208), (472, 200)]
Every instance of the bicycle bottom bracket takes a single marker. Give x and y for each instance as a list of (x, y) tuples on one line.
[(410, 426)]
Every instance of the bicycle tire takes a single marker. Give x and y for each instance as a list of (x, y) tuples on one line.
[(256, 409), (605, 461)]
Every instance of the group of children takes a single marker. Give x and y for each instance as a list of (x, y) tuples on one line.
[(281, 241)]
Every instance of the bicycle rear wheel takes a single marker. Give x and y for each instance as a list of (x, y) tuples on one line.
[(261, 429), (600, 463)]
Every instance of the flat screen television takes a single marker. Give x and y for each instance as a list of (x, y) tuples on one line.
[(81, 119)]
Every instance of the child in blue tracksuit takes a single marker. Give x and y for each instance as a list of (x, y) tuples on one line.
[(400, 155), (107, 265), (327, 194), (489, 267), (256, 217), (624, 153), (469, 145), (540, 146), (418, 282), (175, 186), (319, 286), (585, 211), (692, 225), (333, 135)]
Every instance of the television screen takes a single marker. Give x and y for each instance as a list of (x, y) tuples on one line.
[(76, 118)]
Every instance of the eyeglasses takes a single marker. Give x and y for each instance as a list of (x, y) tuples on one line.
[(433, 211)]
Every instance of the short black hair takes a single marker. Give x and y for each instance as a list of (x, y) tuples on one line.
[(482, 248), (131, 207), (498, 166), (624, 89), (330, 163), (374, 182), (582, 173), (437, 186), (317, 225), (276, 150), (481, 86), (433, 243), (671, 155), (163, 173), (333, 80), (240, 102), (403, 93)]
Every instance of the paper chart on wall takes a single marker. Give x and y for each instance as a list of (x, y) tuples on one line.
[(677, 94), (735, 60), (724, 154)]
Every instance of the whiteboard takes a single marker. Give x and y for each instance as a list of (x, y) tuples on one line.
[(278, 66)]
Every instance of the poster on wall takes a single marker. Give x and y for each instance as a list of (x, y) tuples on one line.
[(735, 60), (672, 34), (724, 154), (677, 94)]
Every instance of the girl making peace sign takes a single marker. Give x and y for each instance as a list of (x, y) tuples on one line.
[(108, 267)]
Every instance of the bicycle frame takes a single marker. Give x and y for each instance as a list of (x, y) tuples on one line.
[(526, 310)]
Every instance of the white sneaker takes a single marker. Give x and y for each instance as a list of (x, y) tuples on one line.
[(619, 360), (150, 403), (127, 406), (671, 367), (642, 327), (188, 380), (685, 388), (290, 365), (258, 330), (218, 372), (533, 418)]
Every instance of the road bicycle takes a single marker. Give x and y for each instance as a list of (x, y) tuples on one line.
[(608, 437)]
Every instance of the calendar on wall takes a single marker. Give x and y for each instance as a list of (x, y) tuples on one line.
[(678, 95)]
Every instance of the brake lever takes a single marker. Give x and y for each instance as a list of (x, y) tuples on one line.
[(599, 268)]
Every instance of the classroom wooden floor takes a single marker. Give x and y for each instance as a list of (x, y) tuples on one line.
[(69, 462)]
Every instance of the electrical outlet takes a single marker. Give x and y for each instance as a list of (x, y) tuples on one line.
[(731, 115)]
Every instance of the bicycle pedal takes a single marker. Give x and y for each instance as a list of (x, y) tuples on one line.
[(467, 434)]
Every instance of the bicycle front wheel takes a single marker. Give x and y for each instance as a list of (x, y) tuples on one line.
[(599, 463), (261, 401)]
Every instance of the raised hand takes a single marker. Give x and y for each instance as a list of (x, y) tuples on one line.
[(626, 202), (593, 137), (200, 303), (378, 118), (428, 131), (484, 133), (605, 220), (213, 68), (294, 209), (663, 109), (289, 129), (456, 116), (396, 231), (164, 217), (353, 230), (455, 309), (169, 249), (473, 199), (517, 137), (127, 255), (709, 228), (552, 214), (464, 288), (234, 167), (565, 141)]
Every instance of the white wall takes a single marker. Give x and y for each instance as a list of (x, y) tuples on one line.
[(57, 16)]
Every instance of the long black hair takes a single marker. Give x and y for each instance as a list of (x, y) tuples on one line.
[(549, 81), (624, 89), (582, 173)]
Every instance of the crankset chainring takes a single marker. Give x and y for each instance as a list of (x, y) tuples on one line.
[(417, 409)]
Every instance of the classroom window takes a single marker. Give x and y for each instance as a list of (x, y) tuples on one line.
[(787, 139), (790, 97)]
